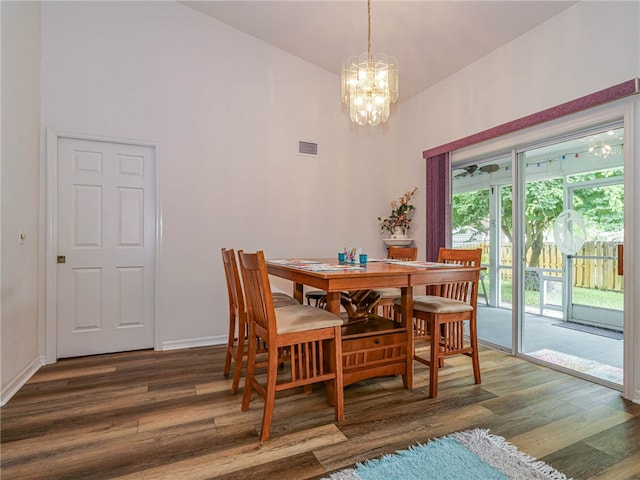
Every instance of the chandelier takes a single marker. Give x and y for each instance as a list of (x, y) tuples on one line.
[(369, 84)]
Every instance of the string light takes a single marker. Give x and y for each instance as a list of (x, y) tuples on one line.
[(600, 150)]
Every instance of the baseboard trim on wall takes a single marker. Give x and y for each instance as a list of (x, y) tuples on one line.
[(23, 377), (194, 342)]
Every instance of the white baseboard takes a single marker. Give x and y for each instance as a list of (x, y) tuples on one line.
[(194, 342), (23, 377)]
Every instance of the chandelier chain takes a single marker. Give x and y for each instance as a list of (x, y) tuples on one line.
[(369, 31)]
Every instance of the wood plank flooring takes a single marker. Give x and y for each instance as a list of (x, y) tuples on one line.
[(169, 415)]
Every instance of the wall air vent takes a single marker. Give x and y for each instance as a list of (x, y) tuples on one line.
[(308, 148)]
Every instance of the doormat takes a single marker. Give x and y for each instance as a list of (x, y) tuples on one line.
[(589, 367), (472, 455), (603, 332)]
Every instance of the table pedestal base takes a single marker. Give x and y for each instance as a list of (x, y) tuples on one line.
[(375, 347)]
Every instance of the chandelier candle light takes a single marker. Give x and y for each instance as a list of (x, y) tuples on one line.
[(369, 84)]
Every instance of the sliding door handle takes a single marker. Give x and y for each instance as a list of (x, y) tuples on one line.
[(620, 259)]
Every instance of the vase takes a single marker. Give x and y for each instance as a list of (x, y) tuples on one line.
[(398, 234)]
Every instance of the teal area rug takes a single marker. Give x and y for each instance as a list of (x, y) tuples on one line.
[(470, 455)]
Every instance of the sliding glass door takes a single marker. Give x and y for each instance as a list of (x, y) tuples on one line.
[(573, 223), (563, 306), (481, 218)]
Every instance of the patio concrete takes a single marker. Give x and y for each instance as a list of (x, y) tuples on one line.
[(494, 326)]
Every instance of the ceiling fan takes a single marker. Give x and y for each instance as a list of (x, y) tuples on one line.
[(471, 169)]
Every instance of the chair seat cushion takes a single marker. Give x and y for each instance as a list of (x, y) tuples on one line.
[(387, 292), (435, 304), (300, 318), (283, 300)]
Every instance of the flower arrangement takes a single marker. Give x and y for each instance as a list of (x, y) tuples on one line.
[(400, 217)]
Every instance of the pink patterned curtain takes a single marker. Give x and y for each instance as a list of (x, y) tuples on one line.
[(438, 206)]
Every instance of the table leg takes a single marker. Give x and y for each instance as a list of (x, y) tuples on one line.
[(298, 292), (407, 321), (333, 302)]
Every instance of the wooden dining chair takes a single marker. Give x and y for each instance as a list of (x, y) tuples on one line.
[(311, 337), (237, 348), (387, 295), (440, 318)]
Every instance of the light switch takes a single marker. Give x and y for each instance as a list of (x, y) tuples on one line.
[(21, 237)]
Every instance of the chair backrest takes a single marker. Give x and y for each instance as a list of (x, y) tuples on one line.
[(257, 290), (408, 254), (462, 291), (234, 287)]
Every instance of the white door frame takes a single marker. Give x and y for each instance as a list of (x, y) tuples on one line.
[(51, 244)]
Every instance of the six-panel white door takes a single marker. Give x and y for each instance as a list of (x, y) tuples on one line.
[(106, 234)]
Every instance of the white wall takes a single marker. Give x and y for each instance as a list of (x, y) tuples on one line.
[(227, 112), (20, 193), (588, 47)]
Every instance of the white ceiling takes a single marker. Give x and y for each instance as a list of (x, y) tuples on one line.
[(430, 39)]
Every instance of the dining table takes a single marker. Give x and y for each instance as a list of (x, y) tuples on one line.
[(395, 346)]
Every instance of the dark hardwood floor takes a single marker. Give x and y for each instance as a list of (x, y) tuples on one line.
[(169, 415)]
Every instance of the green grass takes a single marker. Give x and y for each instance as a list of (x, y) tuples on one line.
[(598, 298), (583, 296)]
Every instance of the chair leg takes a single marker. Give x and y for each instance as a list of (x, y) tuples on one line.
[(227, 362), (269, 399), (230, 342), (475, 357), (339, 380), (251, 367), (476, 367), (434, 361), (440, 333), (237, 371)]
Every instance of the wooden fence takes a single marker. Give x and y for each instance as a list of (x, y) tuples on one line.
[(599, 273)]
